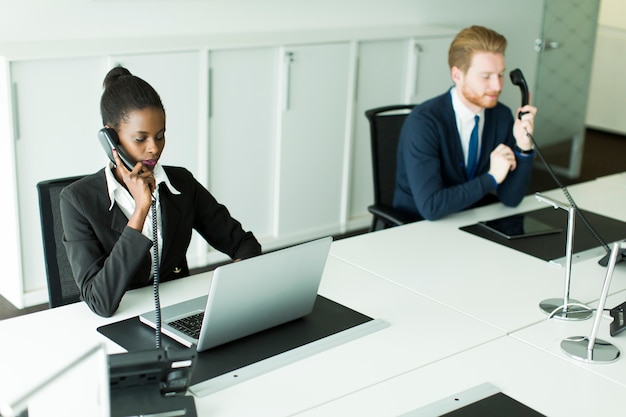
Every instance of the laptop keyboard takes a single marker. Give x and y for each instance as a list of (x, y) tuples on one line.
[(189, 325)]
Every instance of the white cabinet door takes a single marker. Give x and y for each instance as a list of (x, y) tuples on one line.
[(312, 138), (242, 135), (11, 286), (57, 118), (429, 62), (382, 74), (176, 77), (391, 72)]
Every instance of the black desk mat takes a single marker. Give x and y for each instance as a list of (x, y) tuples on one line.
[(549, 247), (327, 318), (496, 405)]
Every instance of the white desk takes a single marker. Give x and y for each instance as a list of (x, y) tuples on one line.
[(420, 332), (619, 178), (490, 282), (461, 311), (549, 385)]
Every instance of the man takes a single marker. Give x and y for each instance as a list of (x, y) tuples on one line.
[(440, 169)]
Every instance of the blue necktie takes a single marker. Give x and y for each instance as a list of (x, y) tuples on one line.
[(472, 153)]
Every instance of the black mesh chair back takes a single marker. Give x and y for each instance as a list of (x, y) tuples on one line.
[(385, 125), (62, 288)]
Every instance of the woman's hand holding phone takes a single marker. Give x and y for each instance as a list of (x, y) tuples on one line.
[(140, 183)]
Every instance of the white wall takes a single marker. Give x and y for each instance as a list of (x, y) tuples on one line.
[(80, 19), (612, 13), (33, 20), (607, 92), (48, 20)]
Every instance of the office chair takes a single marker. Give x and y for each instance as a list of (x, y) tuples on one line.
[(62, 288), (385, 125)]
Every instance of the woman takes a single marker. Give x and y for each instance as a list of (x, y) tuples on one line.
[(107, 218)]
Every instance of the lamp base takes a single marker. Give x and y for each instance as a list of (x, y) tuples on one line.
[(578, 348), (573, 310)]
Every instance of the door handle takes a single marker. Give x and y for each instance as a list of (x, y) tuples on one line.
[(417, 56), (546, 45)]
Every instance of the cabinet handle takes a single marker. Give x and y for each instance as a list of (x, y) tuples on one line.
[(210, 88), (357, 75), (15, 104), (287, 62), (417, 54), (411, 80)]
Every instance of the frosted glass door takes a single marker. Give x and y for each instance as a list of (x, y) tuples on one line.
[(563, 75)]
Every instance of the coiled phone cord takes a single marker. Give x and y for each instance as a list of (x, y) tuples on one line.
[(155, 272)]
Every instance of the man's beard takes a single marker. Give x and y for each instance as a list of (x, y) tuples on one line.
[(480, 100)]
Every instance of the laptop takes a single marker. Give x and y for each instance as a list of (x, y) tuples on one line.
[(248, 296)]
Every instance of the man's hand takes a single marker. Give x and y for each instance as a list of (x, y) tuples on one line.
[(501, 162), (524, 127)]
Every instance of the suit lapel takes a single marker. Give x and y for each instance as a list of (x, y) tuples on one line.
[(118, 219), (456, 153)]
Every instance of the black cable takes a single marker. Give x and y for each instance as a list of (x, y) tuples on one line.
[(567, 195), (155, 270)]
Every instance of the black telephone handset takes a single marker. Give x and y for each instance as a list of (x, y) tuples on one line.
[(109, 141), (518, 79)]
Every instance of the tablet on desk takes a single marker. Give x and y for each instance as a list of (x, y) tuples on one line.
[(518, 226)]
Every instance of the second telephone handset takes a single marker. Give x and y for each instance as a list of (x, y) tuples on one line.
[(518, 79), (109, 140)]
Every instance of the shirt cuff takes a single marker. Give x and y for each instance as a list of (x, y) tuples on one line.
[(495, 183)]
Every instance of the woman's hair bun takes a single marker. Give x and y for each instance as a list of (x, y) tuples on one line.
[(115, 74)]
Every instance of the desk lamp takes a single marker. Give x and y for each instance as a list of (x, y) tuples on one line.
[(589, 349), (566, 308)]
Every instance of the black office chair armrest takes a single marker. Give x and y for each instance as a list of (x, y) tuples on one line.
[(393, 216)]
